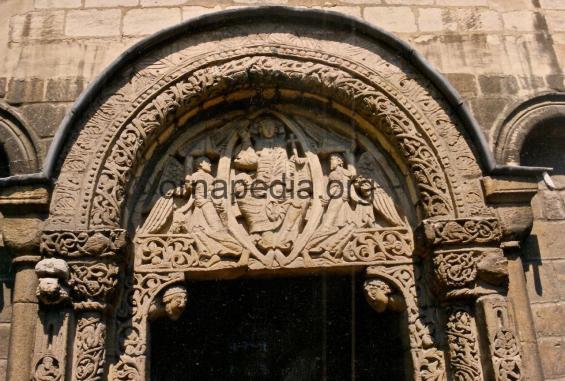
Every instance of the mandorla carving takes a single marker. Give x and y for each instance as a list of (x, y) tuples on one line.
[(463, 345), (271, 198), (463, 231)]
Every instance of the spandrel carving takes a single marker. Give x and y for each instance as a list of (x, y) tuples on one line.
[(263, 191)]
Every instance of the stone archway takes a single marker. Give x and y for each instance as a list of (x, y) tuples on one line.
[(215, 89)]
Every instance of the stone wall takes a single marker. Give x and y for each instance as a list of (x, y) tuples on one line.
[(545, 277), (497, 53)]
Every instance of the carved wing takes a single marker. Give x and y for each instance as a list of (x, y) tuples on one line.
[(160, 215), (382, 202)]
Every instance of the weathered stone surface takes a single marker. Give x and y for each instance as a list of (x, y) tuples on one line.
[(543, 282), (261, 1), (498, 84), (157, 3), (6, 289), (45, 116), (546, 316), (110, 3), (394, 19), (37, 26), (435, 20), (93, 22), (556, 81), (57, 3), (523, 21), (4, 340), (3, 83), (485, 107), (146, 21), (351, 11), (64, 89), (466, 84), (552, 4), (196, 11), (25, 90), (407, 2), (556, 20), (462, 3), (553, 356)]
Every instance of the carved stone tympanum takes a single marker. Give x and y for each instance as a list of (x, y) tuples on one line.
[(265, 192)]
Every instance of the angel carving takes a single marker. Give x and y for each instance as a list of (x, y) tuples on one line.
[(355, 201), (192, 209)]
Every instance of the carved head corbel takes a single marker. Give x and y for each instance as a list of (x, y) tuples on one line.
[(53, 274), (381, 296), (171, 304)]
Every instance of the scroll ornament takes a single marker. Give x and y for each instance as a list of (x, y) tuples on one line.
[(469, 272), (462, 231)]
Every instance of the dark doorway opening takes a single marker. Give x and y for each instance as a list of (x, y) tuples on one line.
[(318, 328)]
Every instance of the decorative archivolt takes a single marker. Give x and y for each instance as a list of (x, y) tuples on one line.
[(399, 108), (186, 232)]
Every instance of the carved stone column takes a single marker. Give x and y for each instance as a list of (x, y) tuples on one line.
[(55, 317), (21, 238), (394, 288), (466, 264), (93, 258), (504, 362)]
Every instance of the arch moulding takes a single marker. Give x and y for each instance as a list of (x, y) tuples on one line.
[(268, 93)]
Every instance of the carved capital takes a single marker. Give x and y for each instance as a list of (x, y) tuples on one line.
[(21, 236), (92, 283), (469, 272), (97, 243), (462, 231)]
